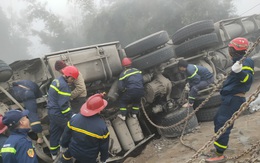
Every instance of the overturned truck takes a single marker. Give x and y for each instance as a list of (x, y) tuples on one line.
[(203, 43)]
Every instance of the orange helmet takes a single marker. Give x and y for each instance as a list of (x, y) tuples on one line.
[(70, 71), (2, 126), (126, 62), (94, 105), (239, 44)]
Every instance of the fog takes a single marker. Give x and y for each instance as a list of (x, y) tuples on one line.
[(34, 28)]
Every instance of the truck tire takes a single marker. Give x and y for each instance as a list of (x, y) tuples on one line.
[(192, 30), (206, 114), (175, 117), (154, 58), (215, 100), (146, 44), (193, 46), (5, 71)]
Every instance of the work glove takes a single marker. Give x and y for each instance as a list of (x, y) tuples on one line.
[(237, 67), (63, 150)]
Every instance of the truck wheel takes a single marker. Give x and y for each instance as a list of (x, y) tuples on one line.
[(5, 71), (175, 117), (215, 100), (192, 30), (193, 46), (146, 44), (206, 114), (154, 58)]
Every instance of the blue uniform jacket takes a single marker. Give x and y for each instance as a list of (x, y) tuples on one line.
[(29, 84), (239, 82), (59, 97), (3, 138), (196, 73), (130, 79), (18, 148), (86, 137)]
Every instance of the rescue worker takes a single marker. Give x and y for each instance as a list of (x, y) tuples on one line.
[(131, 89), (86, 134), (232, 93), (27, 92), (58, 106), (198, 77), (79, 90), (3, 135), (18, 148)]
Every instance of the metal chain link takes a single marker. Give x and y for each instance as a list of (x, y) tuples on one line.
[(217, 87), (228, 123), (188, 116), (252, 148), (235, 115)]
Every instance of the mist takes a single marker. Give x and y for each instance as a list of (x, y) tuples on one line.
[(33, 28)]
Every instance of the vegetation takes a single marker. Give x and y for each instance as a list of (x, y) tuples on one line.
[(114, 20)]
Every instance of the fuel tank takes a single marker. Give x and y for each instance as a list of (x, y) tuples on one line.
[(135, 129), (97, 62), (123, 134), (114, 145)]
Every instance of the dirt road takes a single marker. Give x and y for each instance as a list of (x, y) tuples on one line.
[(245, 133)]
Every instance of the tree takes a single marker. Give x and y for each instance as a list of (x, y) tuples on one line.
[(53, 33), (131, 20), (13, 42)]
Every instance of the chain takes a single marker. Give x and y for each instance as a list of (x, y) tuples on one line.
[(181, 137), (252, 148), (253, 158), (183, 120), (228, 123), (216, 88), (235, 115)]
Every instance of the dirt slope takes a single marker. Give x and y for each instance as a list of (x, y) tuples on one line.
[(246, 132)]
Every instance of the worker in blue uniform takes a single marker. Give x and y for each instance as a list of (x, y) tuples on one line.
[(18, 148), (86, 134), (78, 88), (199, 78), (3, 135), (59, 110), (131, 89), (232, 93), (27, 92)]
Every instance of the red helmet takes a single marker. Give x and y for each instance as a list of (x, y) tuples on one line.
[(2, 126), (126, 62), (94, 105), (70, 71), (239, 44)]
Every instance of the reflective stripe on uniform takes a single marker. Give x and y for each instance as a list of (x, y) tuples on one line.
[(54, 148), (245, 79), (190, 97), (35, 123), (65, 111), (220, 146), (189, 77), (60, 92), (66, 158), (127, 75), (8, 150), (248, 68), (135, 108), (87, 132), (122, 108)]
